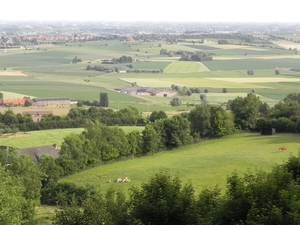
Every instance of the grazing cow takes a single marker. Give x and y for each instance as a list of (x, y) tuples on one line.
[(282, 148), (126, 180)]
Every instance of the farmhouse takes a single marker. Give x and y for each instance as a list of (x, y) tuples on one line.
[(36, 115), (63, 101), (12, 102), (146, 91), (37, 152), (159, 93)]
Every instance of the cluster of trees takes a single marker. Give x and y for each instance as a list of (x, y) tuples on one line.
[(76, 60), (224, 42), (128, 116), (127, 68), (185, 90), (77, 117), (122, 59), (198, 56), (20, 188), (255, 198), (250, 113)]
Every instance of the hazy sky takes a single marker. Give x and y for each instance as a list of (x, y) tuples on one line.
[(153, 10)]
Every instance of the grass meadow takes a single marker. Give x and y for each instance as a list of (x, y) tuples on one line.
[(204, 164), (46, 137)]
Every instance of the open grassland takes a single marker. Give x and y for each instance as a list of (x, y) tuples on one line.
[(185, 67), (46, 137), (205, 164), (37, 138), (7, 94)]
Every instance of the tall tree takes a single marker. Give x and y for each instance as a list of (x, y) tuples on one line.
[(245, 110), (200, 120), (104, 99), (176, 131), (150, 140)]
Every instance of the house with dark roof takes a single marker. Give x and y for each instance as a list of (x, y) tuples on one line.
[(51, 101), (37, 152)]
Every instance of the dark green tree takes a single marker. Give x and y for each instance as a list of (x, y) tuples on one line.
[(250, 72), (157, 115), (245, 110), (104, 101), (150, 140), (176, 131), (200, 120), (134, 140), (175, 102)]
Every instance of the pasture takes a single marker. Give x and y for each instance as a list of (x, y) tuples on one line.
[(46, 137), (50, 72), (204, 164)]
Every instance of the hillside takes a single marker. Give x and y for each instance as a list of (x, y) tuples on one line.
[(205, 164)]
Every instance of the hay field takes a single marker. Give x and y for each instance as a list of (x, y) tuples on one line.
[(12, 73), (185, 67), (7, 94), (257, 80)]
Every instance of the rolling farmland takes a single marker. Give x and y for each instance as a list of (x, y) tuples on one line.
[(50, 72)]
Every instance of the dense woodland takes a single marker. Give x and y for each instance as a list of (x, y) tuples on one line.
[(259, 198)]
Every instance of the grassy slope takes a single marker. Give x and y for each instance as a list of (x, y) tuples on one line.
[(204, 164), (45, 137)]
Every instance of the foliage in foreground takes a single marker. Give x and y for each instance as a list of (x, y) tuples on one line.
[(255, 198)]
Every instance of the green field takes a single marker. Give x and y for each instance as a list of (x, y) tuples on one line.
[(185, 67), (46, 137), (205, 164), (51, 73)]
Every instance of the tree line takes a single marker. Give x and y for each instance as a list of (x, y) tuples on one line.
[(77, 117)]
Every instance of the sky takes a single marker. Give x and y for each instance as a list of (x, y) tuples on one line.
[(152, 10)]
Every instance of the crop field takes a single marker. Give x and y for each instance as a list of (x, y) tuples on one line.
[(50, 72), (12, 73), (205, 164), (257, 80), (14, 95), (185, 67), (194, 82)]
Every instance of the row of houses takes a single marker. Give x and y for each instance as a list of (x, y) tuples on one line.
[(61, 101), (148, 92)]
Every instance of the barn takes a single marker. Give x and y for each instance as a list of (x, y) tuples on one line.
[(63, 101)]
